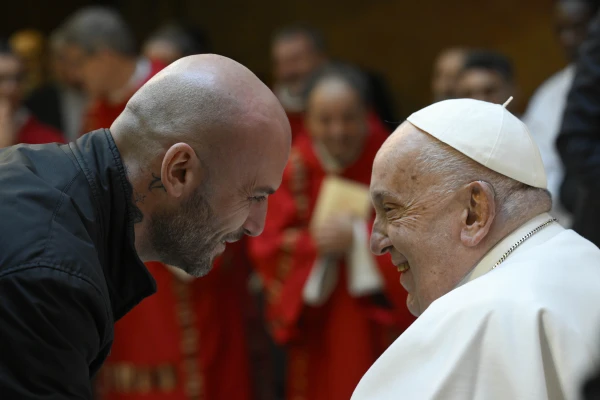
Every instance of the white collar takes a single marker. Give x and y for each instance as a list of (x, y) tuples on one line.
[(493, 256)]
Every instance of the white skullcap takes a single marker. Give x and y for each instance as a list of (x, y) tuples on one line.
[(488, 134)]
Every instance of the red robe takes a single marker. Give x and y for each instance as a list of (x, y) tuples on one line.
[(329, 347), (101, 113), (188, 341), (34, 132)]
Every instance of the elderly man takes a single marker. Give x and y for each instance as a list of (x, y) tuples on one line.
[(186, 168), (506, 298), (321, 281)]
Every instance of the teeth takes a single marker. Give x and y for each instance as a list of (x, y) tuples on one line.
[(403, 267)]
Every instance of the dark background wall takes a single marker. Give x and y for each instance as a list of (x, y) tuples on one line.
[(398, 38)]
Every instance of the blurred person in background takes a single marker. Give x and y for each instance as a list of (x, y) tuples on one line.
[(17, 124), (578, 142), (173, 41), (61, 102), (332, 305), (101, 48), (544, 113), (448, 65), (297, 52), (30, 46), (488, 76)]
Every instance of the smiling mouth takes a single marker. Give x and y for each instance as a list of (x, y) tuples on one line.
[(403, 267)]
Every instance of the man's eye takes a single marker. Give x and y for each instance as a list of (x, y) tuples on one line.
[(258, 199)]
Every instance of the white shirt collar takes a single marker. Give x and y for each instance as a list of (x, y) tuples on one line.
[(493, 256)]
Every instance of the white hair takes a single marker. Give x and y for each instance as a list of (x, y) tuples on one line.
[(514, 199)]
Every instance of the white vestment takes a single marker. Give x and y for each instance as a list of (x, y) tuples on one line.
[(543, 118), (527, 329)]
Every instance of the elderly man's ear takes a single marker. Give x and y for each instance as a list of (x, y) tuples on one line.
[(478, 214)]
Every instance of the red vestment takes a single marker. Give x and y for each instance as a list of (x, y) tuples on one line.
[(101, 113), (331, 346), (188, 341), (34, 132)]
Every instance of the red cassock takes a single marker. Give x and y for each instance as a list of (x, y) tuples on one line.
[(187, 341), (34, 132), (101, 114), (329, 347)]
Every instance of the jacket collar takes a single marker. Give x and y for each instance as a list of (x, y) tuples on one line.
[(127, 278)]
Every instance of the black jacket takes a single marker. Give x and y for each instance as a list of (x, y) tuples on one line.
[(68, 267), (579, 140)]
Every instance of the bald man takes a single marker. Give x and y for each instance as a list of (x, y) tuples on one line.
[(184, 170)]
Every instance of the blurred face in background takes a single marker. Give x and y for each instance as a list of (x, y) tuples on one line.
[(94, 70), (63, 71), (446, 69), (572, 19), (294, 60), (163, 51), (12, 79), (484, 84), (336, 118)]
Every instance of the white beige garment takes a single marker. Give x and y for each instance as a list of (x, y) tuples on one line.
[(363, 276), (525, 330), (543, 118)]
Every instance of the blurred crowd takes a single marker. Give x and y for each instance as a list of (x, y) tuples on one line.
[(297, 313)]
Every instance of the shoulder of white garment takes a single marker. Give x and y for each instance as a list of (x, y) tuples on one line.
[(552, 91), (498, 336)]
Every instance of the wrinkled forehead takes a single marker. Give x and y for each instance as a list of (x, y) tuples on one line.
[(395, 161)]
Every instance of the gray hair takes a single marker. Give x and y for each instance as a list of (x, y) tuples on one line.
[(514, 199), (179, 37), (94, 28)]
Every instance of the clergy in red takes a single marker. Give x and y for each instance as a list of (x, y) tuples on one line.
[(188, 341), (331, 303)]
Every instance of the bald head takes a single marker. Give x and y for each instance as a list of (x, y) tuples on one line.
[(206, 141), (206, 100)]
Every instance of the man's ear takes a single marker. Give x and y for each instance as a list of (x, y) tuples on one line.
[(479, 214), (180, 170)]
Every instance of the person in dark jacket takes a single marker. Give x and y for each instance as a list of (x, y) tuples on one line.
[(579, 140), (186, 168)]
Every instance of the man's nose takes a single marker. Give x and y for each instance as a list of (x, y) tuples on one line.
[(255, 223)]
